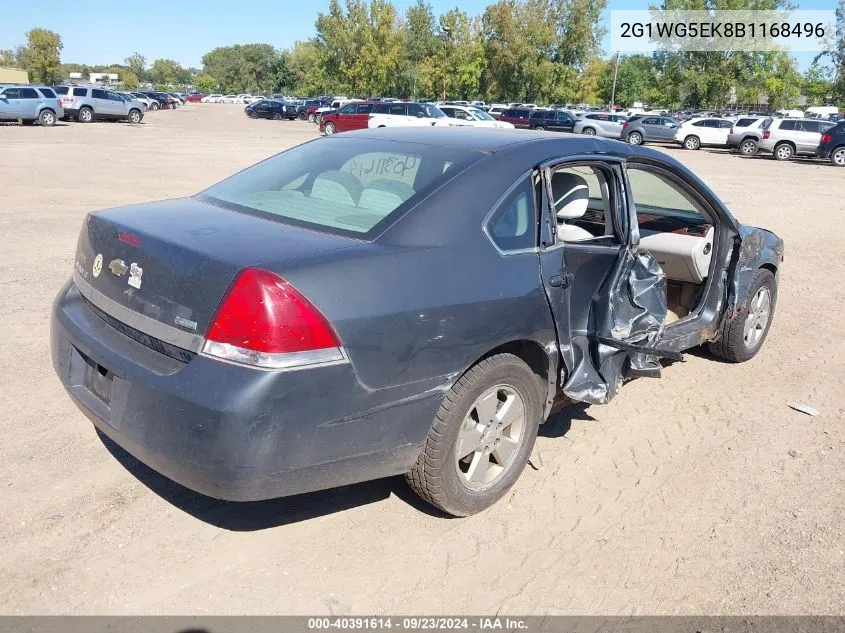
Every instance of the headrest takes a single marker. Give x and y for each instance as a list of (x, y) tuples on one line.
[(571, 195), (337, 186), (384, 195)]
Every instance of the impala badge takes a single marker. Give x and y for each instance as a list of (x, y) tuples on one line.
[(135, 272), (118, 267)]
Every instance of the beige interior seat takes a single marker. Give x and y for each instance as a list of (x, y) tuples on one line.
[(571, 196), (384, 195), (339, 187)]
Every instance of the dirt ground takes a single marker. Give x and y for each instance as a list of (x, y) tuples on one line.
[(701, 492)]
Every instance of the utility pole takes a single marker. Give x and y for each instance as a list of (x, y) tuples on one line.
[(613, 92), (445, 33)]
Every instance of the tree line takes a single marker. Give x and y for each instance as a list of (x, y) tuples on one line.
[(541, 51)]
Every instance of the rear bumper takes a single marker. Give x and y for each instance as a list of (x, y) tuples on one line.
[(233, 432), (823, 152)]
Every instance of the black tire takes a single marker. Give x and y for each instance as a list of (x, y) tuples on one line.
[(277, 116), (329, 128), (85, 115), (635, 138), (435, 476), (588, 131), (155, 106), (783, 151), (837, 156), (692, 142), (47, 118), (301, 116), (312, 118), (135, 116), (252, 115), (748, 147), (540, 128), (731, 345)]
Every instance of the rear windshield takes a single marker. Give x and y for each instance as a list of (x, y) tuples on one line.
[(349, 186)]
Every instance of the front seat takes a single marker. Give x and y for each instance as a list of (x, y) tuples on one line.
[(338, 187), (571, 195)]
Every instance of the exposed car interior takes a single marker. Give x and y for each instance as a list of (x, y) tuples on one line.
[(677, 233)]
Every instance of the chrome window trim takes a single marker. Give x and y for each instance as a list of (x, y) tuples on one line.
[(485, 225)]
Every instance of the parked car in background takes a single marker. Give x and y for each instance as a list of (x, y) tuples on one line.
[(694, 133), (86, 104), (212, 98), (269, 109), (30, 103), (518, 117), (552, 120), (464, 116), (382, 303), (785, 138), (832, 145), (194, 97), (302, 108), (148, 102), (603, 124), (165, 101), (352, 116), (641, 129), (178, 100), (745, 134), (402, 114), (495, 110)]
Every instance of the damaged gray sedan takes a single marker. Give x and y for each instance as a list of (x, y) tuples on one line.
[(399, 301)]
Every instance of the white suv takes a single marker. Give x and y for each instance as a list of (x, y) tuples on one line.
[(401, 114)]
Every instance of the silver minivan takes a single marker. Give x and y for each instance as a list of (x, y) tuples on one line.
[(29, 103), (785, 138), (607, 124), (86, 104)]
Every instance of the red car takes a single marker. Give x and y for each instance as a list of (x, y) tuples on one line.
[(352, 116), (518, 116), (194, 97)]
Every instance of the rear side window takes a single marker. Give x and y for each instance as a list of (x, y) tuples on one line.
[(98, 94), (537, 114), (513, 225), (397, 108), (28, 93), (811, 126), (787, 124), (348, 186), (48, 93), (80, 92), (744, 122)]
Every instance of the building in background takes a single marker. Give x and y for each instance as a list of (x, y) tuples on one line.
[(13, 76)]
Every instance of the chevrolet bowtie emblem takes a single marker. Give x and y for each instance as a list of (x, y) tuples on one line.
[(118, 267)]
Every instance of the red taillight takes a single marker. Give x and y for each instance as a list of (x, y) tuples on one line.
[(732, 131), (266, 322), (826, 138), (59, 102), (766, 135), (128, 238), (624, 125)]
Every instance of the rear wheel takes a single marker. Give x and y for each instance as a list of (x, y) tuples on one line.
[(277, 116), (47, 118), (783, 151), (540, 127), (301, 116), (311, 118), (588, 131), (742, 337), (481, 438), (635, 138), (692, 142), (748, 147), (155, 106), (86, 115), (329, 129), (837, 157), (135, 116)]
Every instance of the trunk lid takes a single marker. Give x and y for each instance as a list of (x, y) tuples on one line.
[(173, 261)]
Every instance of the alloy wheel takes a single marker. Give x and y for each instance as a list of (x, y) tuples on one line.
[(758, 318), (490, 437)]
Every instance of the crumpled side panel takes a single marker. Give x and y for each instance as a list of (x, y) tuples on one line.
[(637, 314)]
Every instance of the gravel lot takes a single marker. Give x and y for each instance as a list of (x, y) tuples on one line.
[(701, 492)]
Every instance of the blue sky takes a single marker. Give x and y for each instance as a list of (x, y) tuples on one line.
[(102, 32)]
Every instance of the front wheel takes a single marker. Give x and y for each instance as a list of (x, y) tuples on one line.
[(481, 438), (155, 106), (783, 151), (86, 115), (540, 128), (47, 118), (301, 116), (635, 138), (329, 129), (311, 118), (692, 142), (277, 116), (837, 157), (743, 335)]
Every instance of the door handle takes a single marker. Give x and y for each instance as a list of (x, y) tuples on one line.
[(560, 281)]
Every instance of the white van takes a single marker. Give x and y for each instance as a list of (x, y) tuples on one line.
[(820, 112)]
